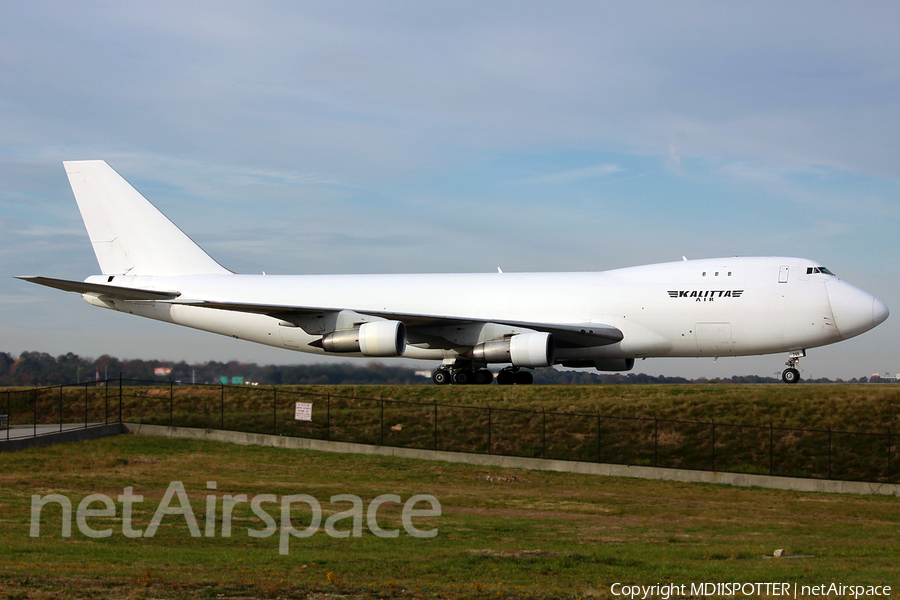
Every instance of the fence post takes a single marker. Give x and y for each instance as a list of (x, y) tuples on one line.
[(35, 412), (8, 413), (889, 455), (771, 448), (655, 442), (223, 404), (171, 403), (60, 407), (829, 452), (106, 402), (714, 445), (274, 410), (543, 433), (85, 405), (599, 438), (328, 421), (489, 428), (435, 425), (381, 435), (120, 396)]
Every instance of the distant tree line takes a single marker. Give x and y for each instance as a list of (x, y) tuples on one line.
[(40, 368)]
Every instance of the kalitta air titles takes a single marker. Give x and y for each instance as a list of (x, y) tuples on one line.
[(705, 295)]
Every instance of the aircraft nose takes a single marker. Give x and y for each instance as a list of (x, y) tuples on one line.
[(880, 312), (855, 311)]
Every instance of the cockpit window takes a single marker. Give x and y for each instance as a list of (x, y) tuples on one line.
[(823, 270)]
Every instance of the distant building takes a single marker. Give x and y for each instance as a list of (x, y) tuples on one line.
[(883, 377)]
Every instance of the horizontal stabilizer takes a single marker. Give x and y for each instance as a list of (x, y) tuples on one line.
[(113, 291)]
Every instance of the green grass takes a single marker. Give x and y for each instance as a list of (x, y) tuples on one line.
[(503, 532)]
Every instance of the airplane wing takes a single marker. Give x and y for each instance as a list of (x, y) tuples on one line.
[(112, 291), (566, 334), (314, 320)]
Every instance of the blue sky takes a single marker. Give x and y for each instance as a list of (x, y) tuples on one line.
[(342, 137)]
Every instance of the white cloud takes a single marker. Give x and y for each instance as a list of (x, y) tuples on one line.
[(577, 174)]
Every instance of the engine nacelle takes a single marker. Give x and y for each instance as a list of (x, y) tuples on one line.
[(523, 350), (382, 338), (602, 364), (378, 338), (614, 364)]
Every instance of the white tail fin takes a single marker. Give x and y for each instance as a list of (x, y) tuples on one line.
[(130, 235)]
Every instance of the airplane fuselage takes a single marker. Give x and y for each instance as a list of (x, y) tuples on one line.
[(711, 307)]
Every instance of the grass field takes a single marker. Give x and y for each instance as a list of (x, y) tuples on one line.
[(502, 533)]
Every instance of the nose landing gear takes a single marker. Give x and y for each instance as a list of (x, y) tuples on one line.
[(791, 374)]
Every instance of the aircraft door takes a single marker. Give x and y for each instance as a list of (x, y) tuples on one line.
[(783, 273)]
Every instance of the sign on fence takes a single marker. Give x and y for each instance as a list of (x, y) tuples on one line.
[(303, 412)]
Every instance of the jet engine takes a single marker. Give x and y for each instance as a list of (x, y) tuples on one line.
[(614, 364), (602, 364), (378, 338), (523, 350)]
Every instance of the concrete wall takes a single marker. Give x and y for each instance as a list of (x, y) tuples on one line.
[(764, 481), (71, 435)]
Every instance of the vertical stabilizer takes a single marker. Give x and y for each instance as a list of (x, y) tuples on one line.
[(130, 235)]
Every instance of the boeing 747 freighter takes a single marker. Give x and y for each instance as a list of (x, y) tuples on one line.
[(604, 320)]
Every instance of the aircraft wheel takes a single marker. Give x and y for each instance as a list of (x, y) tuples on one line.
[(462, 377), (483, 377), (524, 378), (505, 378), (790, 375), (441, 377)]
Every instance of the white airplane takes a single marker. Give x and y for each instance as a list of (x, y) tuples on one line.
[(606, 320)]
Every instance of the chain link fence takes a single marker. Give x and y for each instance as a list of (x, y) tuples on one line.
[(646, 441)]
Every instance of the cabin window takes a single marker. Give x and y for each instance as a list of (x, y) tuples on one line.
[(704, 273)]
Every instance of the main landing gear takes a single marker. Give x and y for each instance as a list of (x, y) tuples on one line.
[(514, 376), (791, 374), (465, 375)]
